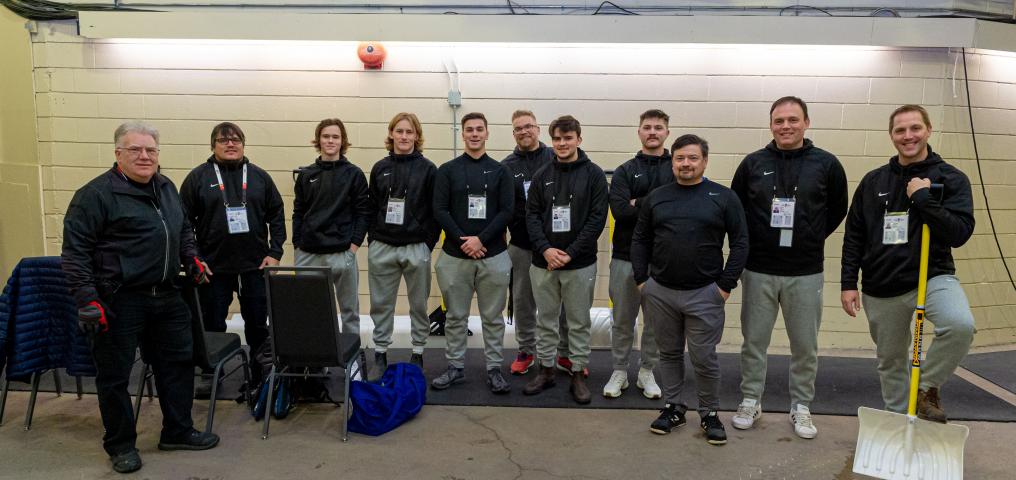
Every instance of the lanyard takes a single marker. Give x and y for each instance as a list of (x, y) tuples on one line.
[(396, 176), (222, 185), (557, 185)]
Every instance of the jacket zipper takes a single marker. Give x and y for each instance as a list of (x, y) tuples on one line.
[(165, 264)]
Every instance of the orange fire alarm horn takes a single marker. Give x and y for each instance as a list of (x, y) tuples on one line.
[(372, 54)]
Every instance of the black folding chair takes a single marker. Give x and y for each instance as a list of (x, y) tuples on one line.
[(305, 333), (212, 350)]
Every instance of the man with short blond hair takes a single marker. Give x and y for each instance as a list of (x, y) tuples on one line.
[(529, 156)]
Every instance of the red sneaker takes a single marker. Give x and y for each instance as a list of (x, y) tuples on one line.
[(565, 365), (522, 363)]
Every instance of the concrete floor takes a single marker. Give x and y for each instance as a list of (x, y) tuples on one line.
[(455, 443)]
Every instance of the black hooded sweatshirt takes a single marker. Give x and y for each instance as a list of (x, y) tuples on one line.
[(634, 179), (522, 166), (410, 177), (331, 210), (892, 270), (203, 205), (811, 176), (580, 184), (456, 180)]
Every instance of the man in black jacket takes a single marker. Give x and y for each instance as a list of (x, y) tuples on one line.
[(677, 261), (529, 156), (794, 195), (565, 214), (473, 204), (402, 235), (125, 237), (331, 213), (629, 185), (883, 242), (234, 207)]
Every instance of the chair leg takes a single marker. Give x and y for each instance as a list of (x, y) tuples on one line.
[(58, 382), (346, 407), (246, 375), (31, 400), (149, 383), (3, 399), (141, 392), (211, 399), (268, 406), (81, 390)]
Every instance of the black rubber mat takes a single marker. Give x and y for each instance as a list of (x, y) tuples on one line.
[(843, 385), (997, 367)]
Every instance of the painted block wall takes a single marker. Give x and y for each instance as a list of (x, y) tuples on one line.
[(277, 91)]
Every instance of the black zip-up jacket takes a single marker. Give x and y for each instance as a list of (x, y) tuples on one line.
[(816, 180), (679, 237), (634, 179), (581, 184), (121, 234), (331, 210), (410, 177), (522, 166), (202, 203), (455, 181), (891, 270)]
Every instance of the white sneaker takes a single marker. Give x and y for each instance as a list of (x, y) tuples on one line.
[(647, 382), (803, 426), (618, 381), (749, 411)]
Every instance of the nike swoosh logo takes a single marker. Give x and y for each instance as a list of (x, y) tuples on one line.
[(386, 174), (883, 194), (767, 173), (314, 180), (548, 183), (713, 194), (214, 185), (519, 175), (487, 171), (637, 175)]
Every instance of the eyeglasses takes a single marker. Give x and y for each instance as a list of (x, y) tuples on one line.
[(524, 128), (135, 151), (227, 141)]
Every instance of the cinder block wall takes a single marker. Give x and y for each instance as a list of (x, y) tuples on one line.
[(278, 91)]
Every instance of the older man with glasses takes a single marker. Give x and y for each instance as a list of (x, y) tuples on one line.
[(125, 238)]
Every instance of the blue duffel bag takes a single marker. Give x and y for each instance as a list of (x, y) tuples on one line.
[(380, 407)]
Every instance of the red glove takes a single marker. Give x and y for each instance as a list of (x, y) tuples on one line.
[(92, 318)]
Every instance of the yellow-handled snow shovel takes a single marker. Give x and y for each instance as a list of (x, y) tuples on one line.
[(895, 446)]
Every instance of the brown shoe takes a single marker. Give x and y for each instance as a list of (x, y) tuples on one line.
[(544, 379), (929, 406), (579, 390)]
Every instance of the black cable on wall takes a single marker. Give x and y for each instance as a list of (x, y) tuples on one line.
[(980, 175)]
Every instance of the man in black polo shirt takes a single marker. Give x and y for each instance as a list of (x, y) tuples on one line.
[(473, 204), (677, 259)]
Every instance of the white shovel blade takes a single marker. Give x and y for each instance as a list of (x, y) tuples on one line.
[(895, 446)]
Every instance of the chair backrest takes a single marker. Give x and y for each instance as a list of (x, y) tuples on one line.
[(192, 298), (302, 317)]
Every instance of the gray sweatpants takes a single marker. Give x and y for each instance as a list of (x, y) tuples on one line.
[(524, 305), (387, 265), (889, 320), (696, 315), (345, 276), (800, 298), (572, 290), (626, 299), (459, 279)]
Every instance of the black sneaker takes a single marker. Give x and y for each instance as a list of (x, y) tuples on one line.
[(496, 382), (715, 434), (416, 359), (670, 418), (194, 440), (127, 462), (378, 369), (446, 379)]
